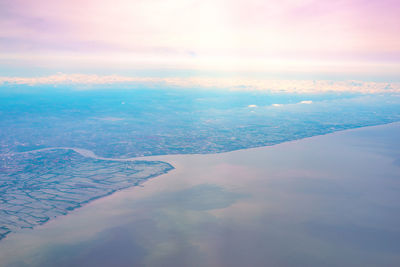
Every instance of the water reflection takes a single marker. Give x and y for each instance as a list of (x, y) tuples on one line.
[(325, 201)]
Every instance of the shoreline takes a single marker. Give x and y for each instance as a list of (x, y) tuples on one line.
[(90, 154), (329, 193)]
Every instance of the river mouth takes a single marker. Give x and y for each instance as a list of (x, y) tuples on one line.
[(323, 199)]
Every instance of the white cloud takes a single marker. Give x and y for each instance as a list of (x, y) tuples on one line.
[(252, 106), (240, 84), (306, 102)]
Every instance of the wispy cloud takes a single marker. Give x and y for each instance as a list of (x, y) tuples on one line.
[(339, 36), (293, 86)]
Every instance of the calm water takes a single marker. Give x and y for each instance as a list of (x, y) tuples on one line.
[(330, 200)]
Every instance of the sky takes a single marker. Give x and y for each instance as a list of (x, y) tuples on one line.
[(307, 37)]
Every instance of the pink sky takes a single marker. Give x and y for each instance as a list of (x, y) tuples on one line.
[(278, 35)]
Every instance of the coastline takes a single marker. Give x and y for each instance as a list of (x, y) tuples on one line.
[(90, 154), (311, 191), (171, 160)]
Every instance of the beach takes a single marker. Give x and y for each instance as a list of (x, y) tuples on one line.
[(330, 200)]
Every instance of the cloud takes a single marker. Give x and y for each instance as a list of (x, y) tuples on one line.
[(239, 84), (252, 106), (230, 27), (249, 35), (305, 102), (61, 78)]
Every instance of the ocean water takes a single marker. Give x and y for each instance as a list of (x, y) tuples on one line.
[(328, 200)]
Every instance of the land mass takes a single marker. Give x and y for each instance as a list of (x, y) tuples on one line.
[(44, 184)]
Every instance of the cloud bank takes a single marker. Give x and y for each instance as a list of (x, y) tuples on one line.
[(243, 84)]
